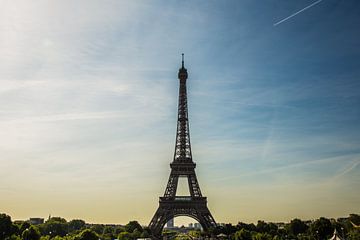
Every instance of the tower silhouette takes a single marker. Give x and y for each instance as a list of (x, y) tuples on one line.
[(171, 205)]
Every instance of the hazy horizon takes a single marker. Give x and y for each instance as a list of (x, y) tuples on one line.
[(88, 107)]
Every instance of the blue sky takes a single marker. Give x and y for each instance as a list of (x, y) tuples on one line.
[(88, 102)]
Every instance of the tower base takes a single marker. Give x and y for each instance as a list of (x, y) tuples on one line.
[(194, 207)]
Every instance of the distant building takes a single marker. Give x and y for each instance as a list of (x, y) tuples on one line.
[(191, 225), (36, 221)]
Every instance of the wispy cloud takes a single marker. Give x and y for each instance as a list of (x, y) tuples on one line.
[(68, 117)]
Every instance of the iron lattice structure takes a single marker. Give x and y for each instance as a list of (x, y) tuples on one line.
[(170, 205)]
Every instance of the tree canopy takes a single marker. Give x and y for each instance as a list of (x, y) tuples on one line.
[(58, 228)]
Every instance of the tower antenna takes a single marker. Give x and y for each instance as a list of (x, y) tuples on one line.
[(182, 62)]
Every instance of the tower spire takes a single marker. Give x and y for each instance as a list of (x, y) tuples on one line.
[(183, 75), (182, 62)]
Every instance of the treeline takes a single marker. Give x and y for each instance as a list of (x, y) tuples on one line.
[(57, 228), (320, 229)]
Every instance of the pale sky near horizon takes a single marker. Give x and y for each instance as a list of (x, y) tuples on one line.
[(88, 107)]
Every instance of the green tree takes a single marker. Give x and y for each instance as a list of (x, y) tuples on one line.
[(282, 233), (108, 230), (243, 234), (15, 229), (277, 237), (32, 233), (321, 228), (261, 236), (145, 234), (87, 234), (67, 237), (98, 228), (75, 225), (14, 237), (118, 230), (132, 225), (57, 238), (55, 226), (304, 236), (297, 226), (24, 226), (108, 233), (264, 227), (136, 234), (353, 234), (355, 218), (6, 227), (250, 227), (45, 237), (124, 236), (194, 233), (229, 229), (261, 226), (57, 219)]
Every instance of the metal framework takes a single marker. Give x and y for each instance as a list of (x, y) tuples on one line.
[(170, 205)]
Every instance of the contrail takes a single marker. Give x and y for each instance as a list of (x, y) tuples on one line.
[(294, 14), (348, 169)]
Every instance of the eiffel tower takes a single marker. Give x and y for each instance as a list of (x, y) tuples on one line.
[(170, 205)]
